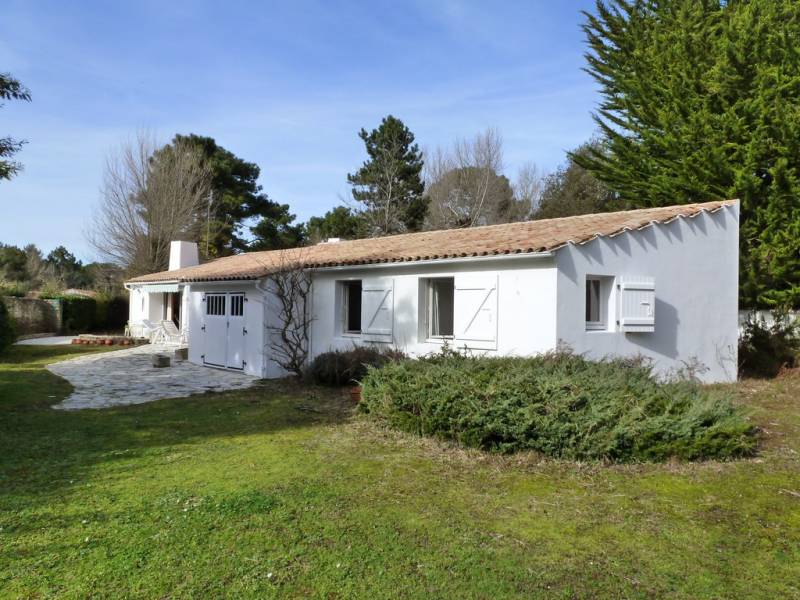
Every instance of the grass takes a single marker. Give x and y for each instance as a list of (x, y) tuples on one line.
[(280, 491)]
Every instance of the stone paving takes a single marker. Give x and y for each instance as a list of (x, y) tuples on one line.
[(128, 377), (58, 340)]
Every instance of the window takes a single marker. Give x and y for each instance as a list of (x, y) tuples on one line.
[(598, 290), (440, 307), (237, 305), (215, 304), (351, 302)]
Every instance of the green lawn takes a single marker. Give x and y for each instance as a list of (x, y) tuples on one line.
[(282, 491)]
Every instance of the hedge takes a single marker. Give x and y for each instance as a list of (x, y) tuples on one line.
[(7, 331), (81, 314), (560, 405)]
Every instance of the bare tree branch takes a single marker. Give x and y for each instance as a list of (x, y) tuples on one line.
[(149, 197), (465, 184), (290, 289), (528, 189)]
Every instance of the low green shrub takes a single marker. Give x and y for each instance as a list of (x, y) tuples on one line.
[(7, 330), (766, 349), (15, 289), (559, 404), (345, 367)]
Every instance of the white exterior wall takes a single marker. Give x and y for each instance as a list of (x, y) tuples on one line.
[(143, 305), (138, 306), (254, 340), (540, 301), (526, 305), (694, 262)]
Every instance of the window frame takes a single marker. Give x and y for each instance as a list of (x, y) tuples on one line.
[(429, 285), (602, 304), (346, 287), (216, 304), (236, 307)]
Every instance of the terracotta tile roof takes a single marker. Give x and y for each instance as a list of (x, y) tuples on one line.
[(512, 238)]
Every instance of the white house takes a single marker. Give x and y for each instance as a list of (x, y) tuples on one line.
[(661, 283)]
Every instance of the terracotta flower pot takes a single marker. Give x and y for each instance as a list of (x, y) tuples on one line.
[(109, 342), (355, 394)]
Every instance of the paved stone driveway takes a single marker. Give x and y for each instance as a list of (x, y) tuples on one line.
[(128, 377)]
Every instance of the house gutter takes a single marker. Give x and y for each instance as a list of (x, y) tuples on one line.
[(437, 261), (131, 286)]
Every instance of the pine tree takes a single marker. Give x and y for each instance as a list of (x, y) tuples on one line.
[(701, 101), (11, 89), (389, 185)]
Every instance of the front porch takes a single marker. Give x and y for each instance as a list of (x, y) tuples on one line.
[(158, 314)]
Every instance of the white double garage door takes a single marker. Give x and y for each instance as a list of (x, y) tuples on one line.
[(224, 330)]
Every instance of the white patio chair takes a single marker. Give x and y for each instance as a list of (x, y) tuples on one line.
[(168, 333), (147, 328)]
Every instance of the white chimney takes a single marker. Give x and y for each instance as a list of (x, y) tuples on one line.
[(182, 254)]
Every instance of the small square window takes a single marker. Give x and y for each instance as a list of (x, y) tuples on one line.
[(215, 305), (440, 307), (351, 301)]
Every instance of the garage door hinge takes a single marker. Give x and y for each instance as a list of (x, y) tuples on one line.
[(244, 330), (203, 328), (244, 363)]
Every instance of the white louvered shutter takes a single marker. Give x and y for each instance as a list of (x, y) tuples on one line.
[(637, 304), (377, 309), (475, 318)]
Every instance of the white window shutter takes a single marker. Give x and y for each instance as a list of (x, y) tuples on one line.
[(475, 318), (377, 309), (637, 304)]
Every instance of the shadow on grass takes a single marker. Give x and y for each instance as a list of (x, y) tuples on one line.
[(42, 450)]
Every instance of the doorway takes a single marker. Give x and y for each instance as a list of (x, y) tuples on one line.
[(224, 330)]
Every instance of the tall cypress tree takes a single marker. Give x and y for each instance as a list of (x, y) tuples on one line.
[(389, 185), (701, 101)]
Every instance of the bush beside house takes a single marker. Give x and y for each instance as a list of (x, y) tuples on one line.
[(766, 348), (560, 405), (348, 367)]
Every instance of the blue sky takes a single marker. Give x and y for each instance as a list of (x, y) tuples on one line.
[(286, 85)]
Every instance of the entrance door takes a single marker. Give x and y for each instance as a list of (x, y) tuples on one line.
[(215, 330), (236, 332), (224, 330)]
